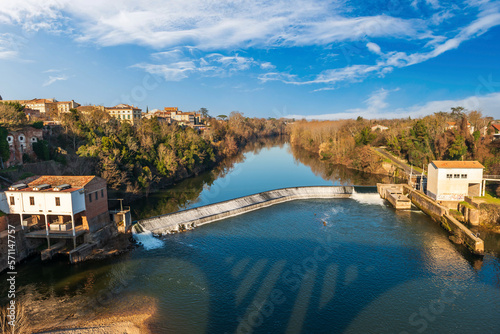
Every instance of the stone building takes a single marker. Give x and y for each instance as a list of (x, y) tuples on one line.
[(21, 142)]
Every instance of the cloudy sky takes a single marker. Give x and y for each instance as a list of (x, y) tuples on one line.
[(301, 58)]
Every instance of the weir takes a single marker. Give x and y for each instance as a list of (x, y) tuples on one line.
[(191, 218)]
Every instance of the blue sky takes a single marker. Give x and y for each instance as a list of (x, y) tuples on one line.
[(293, 58)]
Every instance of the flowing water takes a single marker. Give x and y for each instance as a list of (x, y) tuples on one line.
[(307, 266)]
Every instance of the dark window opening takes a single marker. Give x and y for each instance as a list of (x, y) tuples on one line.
[(90, 197), (96, 195), (32, 200), (12, 200), (58, 201)]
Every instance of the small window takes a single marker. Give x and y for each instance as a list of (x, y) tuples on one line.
[(96, 195), (90, 198), (32, 200), (128, 116), (449, 176), (102, 192), (12, 200), (464, 176), (457, 176), (58, 201)]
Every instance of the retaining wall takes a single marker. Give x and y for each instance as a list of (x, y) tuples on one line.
[(439, 214), (188, 219)]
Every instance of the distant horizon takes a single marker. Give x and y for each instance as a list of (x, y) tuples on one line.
[(296, 59)]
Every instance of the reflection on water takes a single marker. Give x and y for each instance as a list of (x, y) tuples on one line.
[(339, 174), (265, 164)]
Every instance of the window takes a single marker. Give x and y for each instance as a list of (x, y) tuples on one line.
[(90, 198), (464, 176), (58, 201), (449, 176), (12, 200), (96, 195), (128, 116), (32, 200), (102, 192), (457, 176)]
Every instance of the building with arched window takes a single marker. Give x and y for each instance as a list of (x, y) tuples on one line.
[(21, 142)]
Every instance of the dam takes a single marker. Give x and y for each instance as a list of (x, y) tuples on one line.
[(189, 219)]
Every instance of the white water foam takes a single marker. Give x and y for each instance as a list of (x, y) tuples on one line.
[(147, 240), (367, 198)]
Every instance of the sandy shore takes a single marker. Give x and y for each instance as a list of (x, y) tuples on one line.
[(76, 314)]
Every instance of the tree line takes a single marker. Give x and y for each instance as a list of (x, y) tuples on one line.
[(454, 135)]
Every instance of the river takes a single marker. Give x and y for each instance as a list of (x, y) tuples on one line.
[(312, 266)]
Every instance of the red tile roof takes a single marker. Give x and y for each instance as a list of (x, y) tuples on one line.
[(457, 164), (496, 126), (76, 182)]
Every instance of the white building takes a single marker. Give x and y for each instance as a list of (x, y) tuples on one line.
[(453, 180), (60, 206)]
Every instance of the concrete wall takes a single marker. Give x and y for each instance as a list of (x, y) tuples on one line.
[(188, 219), (475, 244), (439, 214)]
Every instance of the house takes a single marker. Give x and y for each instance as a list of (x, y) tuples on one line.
[(453, 125), (58, 207), (46, 106), (453, 180), (172, 114), (495, 130), (379, 127), (125, 113), (21, 142), (66, 106)]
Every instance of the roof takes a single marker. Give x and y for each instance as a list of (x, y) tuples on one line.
[(496, 126), (123, 106), (76, 182), (457, 164)]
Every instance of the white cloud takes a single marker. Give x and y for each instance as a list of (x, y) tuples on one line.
[(208, 25), (177, 64), (171, 72), (53, 79), (395, 59), (377, 108), (8, 47), (374, 48)]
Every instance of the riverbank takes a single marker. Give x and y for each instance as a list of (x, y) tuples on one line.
[(68, 315)]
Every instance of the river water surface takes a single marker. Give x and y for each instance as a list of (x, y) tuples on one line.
[(311, 266)]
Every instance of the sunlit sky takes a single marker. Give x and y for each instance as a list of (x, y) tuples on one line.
[(291, 58)]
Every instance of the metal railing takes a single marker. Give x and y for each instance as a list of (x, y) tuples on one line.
[(493, 177)]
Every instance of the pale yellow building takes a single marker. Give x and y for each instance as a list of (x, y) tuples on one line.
[(125, 113)]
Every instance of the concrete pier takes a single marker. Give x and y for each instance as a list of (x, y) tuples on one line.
[(188, 219)]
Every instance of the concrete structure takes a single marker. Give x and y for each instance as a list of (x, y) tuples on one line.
[(61, 207), (188, 219), (21, 142), (125, 113), (453, 180), (438, 213)]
